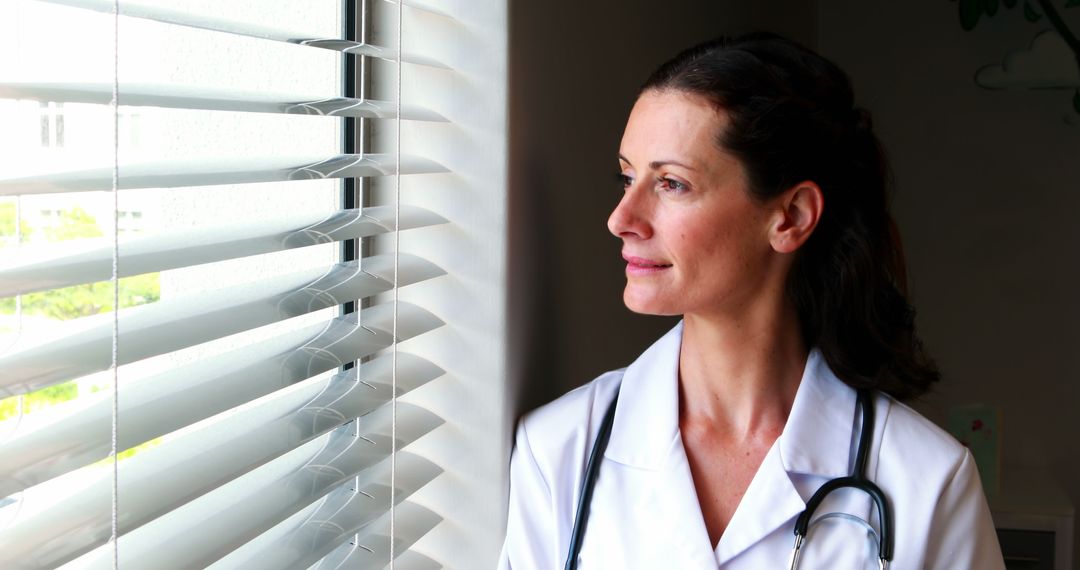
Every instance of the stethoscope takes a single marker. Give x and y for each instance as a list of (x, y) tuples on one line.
[(857, 480)]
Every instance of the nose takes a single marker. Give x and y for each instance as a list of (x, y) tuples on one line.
[(630, 219)]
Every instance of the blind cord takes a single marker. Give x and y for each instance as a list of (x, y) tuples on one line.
[(20, 403), (397, 258), (359, 11), (115, 537)]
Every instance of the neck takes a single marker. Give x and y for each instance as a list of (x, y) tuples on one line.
[(738, 376)]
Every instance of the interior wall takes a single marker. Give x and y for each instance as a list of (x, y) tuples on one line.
[(986, 204)]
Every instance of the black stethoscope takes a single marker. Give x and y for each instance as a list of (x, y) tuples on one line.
[(857, 480)]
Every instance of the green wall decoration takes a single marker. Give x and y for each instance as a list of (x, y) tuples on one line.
[(1051, 61)]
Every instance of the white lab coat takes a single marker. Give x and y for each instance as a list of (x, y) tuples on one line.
[(645, 513)]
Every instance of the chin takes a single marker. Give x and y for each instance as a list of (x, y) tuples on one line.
[(648, 304)]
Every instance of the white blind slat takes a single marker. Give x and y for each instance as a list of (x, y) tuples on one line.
[(170, 476), (372, 546), (205, 98), (212, 385), (32, 268), (310, 535), (410, 560), (210, 172), (205, 22), (207, 529), (74, 439), (166, 326), (425, 6), (177, 398)]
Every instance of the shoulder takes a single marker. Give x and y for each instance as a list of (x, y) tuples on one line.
[(906, 428), (572, 418), (553, 444), (910, 440), (934, 487), (545, 473)]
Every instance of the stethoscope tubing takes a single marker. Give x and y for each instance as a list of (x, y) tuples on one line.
[(857, 480), (592, 469)]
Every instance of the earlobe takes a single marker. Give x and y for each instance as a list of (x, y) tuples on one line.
[(799, 210)]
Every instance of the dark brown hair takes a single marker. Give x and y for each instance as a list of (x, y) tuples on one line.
[(792, 117)]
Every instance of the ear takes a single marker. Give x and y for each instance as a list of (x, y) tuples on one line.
[(797, 212)]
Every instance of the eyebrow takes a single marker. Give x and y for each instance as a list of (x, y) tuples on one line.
[(659, 163)]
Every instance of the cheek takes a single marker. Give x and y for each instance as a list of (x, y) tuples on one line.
[(700, 249), (720, 247)]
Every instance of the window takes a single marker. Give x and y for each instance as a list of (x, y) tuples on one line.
[(229, 332), (52, 124)]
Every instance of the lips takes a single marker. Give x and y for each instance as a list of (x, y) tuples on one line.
[(641, 265)]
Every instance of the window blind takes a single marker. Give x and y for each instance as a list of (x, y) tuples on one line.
[(207, 257)]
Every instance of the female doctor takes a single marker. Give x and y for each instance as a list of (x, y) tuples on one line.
[(754, 205)]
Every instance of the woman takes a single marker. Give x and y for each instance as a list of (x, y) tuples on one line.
[(755, 206)]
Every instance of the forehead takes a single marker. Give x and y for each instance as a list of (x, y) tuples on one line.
[(665, 125)]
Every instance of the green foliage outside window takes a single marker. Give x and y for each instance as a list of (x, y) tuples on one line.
[(86, 300), (74, 224), (37, 400), (70, 302), (7, 224)]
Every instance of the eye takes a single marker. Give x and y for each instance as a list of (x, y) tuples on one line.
[(624, 180), (668, 184)]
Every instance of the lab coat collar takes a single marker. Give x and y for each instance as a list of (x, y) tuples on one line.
[(816, 439), (646, 420)]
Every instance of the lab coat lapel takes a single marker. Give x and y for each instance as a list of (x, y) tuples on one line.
[(647, 415), (816, 441), (678, 523), (646, 448), (647, 452), (771, 501)]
